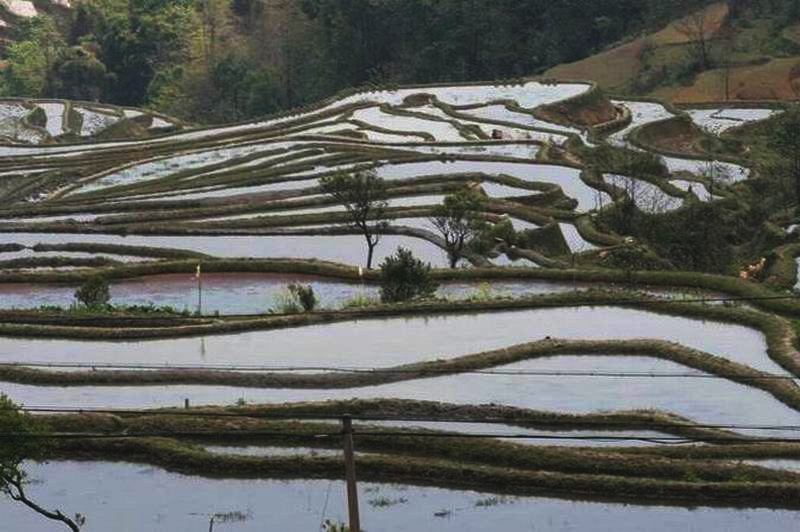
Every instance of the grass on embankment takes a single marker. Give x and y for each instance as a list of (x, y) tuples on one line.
[(782, 390), (778, 331), (456, 461)]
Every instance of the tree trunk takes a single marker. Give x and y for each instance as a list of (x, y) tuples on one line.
[(20, 496), (703, 52), (453, 257), (370, 249), (796, 172)]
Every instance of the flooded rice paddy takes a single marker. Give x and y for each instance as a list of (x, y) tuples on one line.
[(128, 497), (394, 341)]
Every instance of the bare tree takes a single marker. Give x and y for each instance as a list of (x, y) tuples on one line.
[(363, 195), (723, 57), (786, 140), (716, 175), (23, 440), (695, 28), (14, 487)]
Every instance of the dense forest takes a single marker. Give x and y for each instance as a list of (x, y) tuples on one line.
[(228, 60)]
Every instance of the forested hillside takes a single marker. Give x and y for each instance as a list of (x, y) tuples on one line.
[(227, 60)]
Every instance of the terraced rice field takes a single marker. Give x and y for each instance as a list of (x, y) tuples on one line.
[(519, 351), (299, 504)]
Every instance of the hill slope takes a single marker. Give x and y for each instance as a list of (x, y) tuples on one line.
[(706, 56)]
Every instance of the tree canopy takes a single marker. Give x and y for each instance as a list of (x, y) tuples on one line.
[(227, 60), (363, 195), (458, 220)]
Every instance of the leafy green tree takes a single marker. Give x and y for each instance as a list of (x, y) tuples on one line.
[(786, 142), (94, 292), (458, 220), (30, 67), (363, 195), (23, 440), (405, 277), (135, 40), (80, 76), (305, 295)]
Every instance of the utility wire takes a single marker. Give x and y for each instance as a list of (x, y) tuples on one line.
[(386, 434), (312, 416), (539, 304), (367, 370)]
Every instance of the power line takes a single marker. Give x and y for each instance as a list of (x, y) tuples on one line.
[(314, 416), (99, 366), (388, 434), (604, 302), (540, 304)]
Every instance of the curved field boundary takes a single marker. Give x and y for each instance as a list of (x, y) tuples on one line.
[(309, 112), (734, 104), (780, 336), (635, 138), (732, 286), (722, 484), (783, 272), (606, 461), (783, 390)]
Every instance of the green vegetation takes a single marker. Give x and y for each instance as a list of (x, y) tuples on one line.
[(222, 61), (23, 439), (458, 221), (305, 294), (657, 474), (94, 293), (296, 298), (405, 277), (734, 50), (332, 526), (363, 195)]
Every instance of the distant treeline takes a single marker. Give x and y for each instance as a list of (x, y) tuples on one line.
[(227, 60)]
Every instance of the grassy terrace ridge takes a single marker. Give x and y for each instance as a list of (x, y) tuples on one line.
[(414, 442), (671, 482), (780, 336), (121, 249), (784, 391), (262, 171), (760, 296), (257, 177), (367, 409), (273, 424)]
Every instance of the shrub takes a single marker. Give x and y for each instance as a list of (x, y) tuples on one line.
[(286, 303), (485, 241), (94, 292), (359, 300), (305, 295), (404, 277), (296, 298), (334, 526), (37, 117)]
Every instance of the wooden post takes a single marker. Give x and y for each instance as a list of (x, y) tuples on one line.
[(350, 474), (186, 403), (199, 291), (199, 295)]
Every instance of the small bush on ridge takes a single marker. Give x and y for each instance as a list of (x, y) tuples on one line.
[(404, 277)]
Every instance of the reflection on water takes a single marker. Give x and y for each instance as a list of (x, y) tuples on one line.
[(132, 498), (249, 293), (347, 249), (715, 401), (388, 342)]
